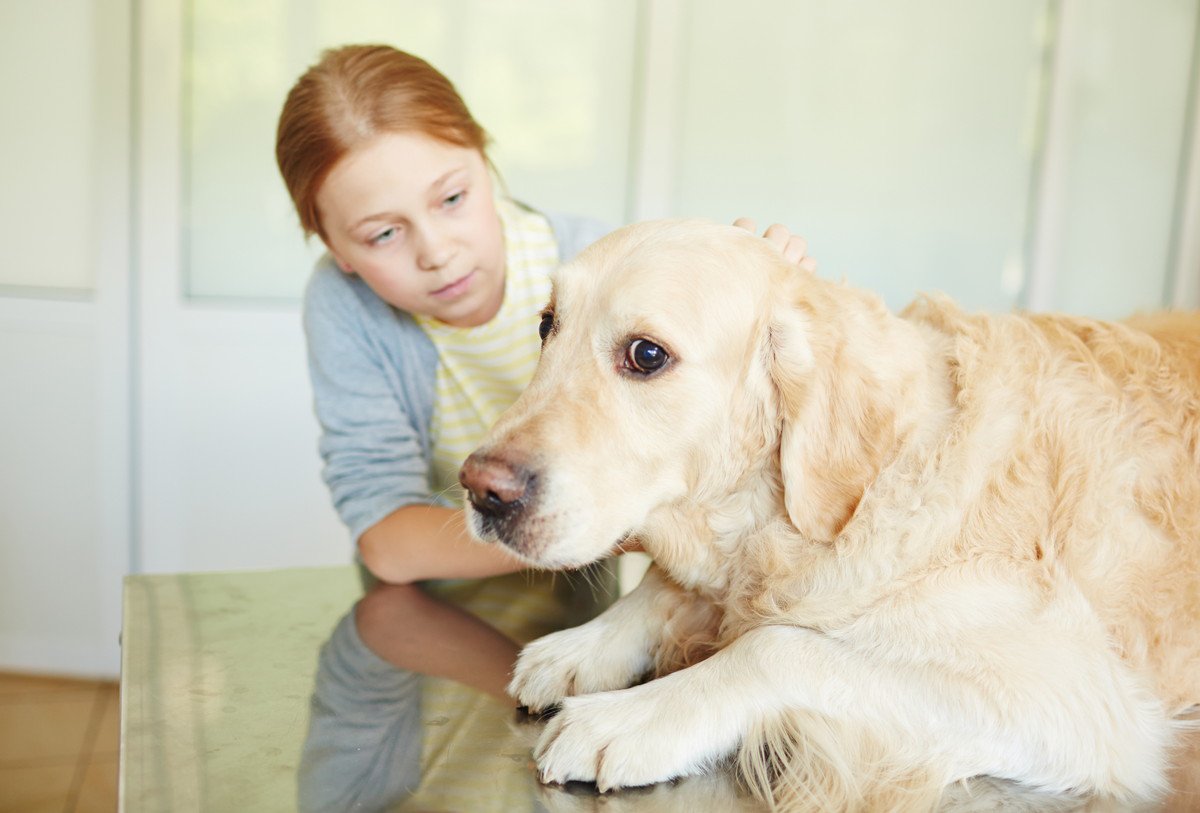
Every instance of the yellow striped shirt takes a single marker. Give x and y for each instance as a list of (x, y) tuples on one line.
[(483, 369)]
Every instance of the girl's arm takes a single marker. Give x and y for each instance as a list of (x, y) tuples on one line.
[(418, 632), (420, 542)]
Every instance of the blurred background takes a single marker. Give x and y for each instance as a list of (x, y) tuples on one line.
[(155, 414)]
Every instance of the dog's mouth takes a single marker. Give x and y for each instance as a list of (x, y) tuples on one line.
[(628, 542), (503, 529), (496, 527), (519, 533), (532, 538)]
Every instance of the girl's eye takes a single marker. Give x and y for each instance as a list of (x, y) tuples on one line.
[(546, 325), (645, 356), (454, 199), (383, 236)]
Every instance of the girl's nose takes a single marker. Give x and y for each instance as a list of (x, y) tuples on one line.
[(435, 249)]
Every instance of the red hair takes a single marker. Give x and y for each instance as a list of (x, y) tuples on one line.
[(351, 95)]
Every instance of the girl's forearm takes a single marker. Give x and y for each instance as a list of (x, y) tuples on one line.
[(420, 542)]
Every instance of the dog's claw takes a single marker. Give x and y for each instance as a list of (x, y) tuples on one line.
[(528, 715), (622, 739)]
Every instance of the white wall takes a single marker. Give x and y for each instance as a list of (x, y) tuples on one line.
[(225, 468), (65, 434), (1125, 77)]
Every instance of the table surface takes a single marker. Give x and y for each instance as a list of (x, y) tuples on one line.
[(217, 684)]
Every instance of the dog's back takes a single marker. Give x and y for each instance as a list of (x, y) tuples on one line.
[(1104, 470)]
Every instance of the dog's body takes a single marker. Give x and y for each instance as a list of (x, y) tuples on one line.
[(890, 552)]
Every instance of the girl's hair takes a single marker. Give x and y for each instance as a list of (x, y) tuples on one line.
[(351, 95)]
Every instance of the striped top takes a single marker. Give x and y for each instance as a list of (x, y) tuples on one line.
[(482, 370)]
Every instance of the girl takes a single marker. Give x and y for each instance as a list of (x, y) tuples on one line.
[(421, 324)]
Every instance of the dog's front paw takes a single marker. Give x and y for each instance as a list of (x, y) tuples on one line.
[(639, 736), (575, 661)]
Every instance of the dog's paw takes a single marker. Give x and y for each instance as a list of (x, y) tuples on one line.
[(575, 661), (639, 736)]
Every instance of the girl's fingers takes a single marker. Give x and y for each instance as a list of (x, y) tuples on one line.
[(793, 247)]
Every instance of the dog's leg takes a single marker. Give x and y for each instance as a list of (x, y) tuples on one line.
[(947, 727), (682, 723), (612, 651)]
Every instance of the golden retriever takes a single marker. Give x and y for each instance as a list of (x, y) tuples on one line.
[(890, 552)]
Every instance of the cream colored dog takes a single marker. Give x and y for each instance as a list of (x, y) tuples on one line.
[(891, 552)]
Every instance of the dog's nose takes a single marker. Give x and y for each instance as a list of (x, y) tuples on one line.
[(495, 487)]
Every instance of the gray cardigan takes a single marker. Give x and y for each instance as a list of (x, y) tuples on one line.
[(373, 373)]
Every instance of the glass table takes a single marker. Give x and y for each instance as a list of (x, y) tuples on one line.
[(223, 708)]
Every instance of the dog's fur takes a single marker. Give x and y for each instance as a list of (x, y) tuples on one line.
[(891, 552)]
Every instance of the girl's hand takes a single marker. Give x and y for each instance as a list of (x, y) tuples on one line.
[(793, 247)]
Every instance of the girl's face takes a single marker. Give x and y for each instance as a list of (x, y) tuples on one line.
[(414, 217)]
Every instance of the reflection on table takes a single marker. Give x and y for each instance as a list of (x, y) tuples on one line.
[(221, 711)]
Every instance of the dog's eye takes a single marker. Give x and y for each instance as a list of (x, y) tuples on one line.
[(546, 324), (644, 356)]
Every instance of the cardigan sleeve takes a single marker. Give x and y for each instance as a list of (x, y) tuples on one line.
[(375, 456)]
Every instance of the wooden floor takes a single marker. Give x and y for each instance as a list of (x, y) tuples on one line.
[(58, 745)]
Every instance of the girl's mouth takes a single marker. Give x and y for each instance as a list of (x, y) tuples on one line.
[(456, 288)]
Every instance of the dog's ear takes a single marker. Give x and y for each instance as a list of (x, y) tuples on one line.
[(836, 425)]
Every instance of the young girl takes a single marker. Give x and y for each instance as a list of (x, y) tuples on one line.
[(421, 323)]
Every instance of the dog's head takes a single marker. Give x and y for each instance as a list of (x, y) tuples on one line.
[(683, 363)]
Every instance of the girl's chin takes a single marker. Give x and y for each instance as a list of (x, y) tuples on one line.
[(467, 314)]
